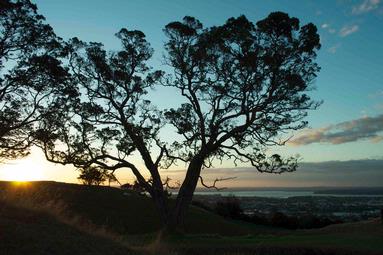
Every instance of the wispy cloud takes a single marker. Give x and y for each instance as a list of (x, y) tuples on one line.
[(332, 30), (334, 48), (365, 6), (349, 131), (361, 172), (379, 106), (325, 25), (376, 94), (348, 30), (328, 28)]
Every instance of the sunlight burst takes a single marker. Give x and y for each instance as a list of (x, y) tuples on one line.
[(22, 170)]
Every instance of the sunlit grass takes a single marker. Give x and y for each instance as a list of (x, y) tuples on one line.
[(22, 184)]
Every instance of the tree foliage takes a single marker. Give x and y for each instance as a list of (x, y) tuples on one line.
[(33, 82), (244, 86), (112, 120), (92, 176)]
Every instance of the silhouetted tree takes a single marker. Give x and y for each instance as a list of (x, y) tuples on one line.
[(112, 120), (244, 85), (136, 187), (31, 76), (92, 175)]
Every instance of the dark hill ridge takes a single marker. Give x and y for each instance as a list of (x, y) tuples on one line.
[(59, 218), (123, 211), (27, 231)]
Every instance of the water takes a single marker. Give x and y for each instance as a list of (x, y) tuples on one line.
[(276, 194)]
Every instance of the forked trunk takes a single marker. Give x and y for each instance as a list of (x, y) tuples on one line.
[(185, 196)]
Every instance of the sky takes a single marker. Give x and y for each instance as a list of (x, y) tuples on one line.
[(344, 132)]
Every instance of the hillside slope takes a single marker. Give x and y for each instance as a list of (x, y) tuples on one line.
[(28, 231), (58, 218), (124, 212)]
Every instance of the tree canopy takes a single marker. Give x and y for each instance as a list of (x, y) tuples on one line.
[(33, 82), (244, 85)]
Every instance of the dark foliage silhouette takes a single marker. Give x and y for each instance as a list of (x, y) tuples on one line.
[(243, 85), (92, 175), (229, 207), (33, 83), (135, 187)]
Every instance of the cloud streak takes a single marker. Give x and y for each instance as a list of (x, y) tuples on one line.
[(349, 131), (365, 7), (362, 172), (325, 25), (333, 49), (348, 30)]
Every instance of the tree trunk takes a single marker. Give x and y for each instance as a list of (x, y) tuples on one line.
[(185, 195), (162, 205)]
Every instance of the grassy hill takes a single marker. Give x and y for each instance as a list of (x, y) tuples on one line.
[(28, 231), (350, 238), (59, 218), (121, 211)]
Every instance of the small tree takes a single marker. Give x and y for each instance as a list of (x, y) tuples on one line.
[(136, 187), (243, 85), (229, 207), (92, 176), (31, 76)]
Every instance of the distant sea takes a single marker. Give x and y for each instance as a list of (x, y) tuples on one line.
[(284, 193)]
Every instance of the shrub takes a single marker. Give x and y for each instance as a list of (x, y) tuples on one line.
[(229, 207)]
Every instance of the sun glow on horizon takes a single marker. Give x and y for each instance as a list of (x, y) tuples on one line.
[(22, 170)]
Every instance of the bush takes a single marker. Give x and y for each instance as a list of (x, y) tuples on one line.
[(259, 219), (229, 207), (135, 187), (279, 219)]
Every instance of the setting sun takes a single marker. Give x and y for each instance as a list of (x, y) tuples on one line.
[(22, 170)]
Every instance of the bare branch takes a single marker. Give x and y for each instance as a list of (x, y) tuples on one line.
[(214, 185)]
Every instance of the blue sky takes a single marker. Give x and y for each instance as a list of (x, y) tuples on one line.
[(349, 124), (350, 82)]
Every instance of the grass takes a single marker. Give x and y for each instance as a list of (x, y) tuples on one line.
[(30, 231), (360, 238), (58, 218), (124, 212)]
